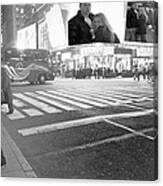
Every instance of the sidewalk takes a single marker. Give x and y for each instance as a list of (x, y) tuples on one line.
[(16, 165)]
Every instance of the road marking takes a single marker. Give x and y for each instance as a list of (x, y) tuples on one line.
[(18, 103), (118, 101), (125, 102), (129, 129), (103, 93), (71, 102), (42, 106), (144, 104), (77, 98), (94, 97), (16, 115), (124, 93), (129, 99), (136, 91), (79, 122), (97, 143), (115, 101), (106, 97), (32, 112), (50, 101)]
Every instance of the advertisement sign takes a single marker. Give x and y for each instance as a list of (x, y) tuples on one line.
[(115, 13), (56, 27), (26, 37), (43, 37)]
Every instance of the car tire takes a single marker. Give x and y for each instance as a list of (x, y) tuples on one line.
[(42, 79)]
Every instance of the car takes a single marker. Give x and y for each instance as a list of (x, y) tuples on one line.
[(32, 65)]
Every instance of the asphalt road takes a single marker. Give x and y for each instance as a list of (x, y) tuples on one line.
[(87, 129)]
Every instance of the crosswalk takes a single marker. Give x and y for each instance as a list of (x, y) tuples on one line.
[(42, 102)]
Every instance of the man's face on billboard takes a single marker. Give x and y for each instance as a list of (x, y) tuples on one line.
[(134, 6), (85, 8)]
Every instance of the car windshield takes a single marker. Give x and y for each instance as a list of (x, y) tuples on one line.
[(12, 54), (35, 55)]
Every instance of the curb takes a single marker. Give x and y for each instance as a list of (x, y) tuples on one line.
[(27, 169)]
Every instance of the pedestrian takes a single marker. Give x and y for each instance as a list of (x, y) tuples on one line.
[(6, 93), (132, 22), (3, 159), (142, 25), (96, 71), (80, 26), (144, 73), (136, 73)]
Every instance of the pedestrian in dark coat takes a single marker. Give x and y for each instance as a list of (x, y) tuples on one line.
[(3, 159), (131, 23), (80, 26), (142, 25), (6, 94)]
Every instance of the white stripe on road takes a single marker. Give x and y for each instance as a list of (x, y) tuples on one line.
[(142, 99), (133, 97), (94, 97), (80, 122), (16, 115), (103, 93), (118, 101), (52, 102), (18, 103), (103, 97), (116, 93), (32, 112), (129, 129), (126, 99), (97, 143), (134, 92), (77, 98), (124, 93), (71, 102), (42, 106)]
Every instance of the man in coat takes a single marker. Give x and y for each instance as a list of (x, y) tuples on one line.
[(6, 93), (80, 26), (132, 23)]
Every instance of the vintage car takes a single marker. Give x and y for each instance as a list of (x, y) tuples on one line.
[(32, 65)]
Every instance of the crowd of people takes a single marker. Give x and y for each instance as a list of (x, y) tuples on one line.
[(148, 72), (97, 73), (86, 27), (139, 20)]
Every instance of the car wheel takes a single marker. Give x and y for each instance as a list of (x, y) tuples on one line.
[(42, 79), (32, 82)]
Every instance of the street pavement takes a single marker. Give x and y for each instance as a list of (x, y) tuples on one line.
[(86, 129)]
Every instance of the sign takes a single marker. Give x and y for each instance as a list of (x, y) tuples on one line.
[(97, 51), (66, 55), (26, 37), (43, 38), (145, 51), (122, 50)]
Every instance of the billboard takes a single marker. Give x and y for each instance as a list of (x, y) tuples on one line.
[(26, 37)]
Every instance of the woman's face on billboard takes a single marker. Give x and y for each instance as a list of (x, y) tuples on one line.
[(97, 22)]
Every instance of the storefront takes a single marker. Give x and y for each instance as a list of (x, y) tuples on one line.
[(146, 55), (123, 62)]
